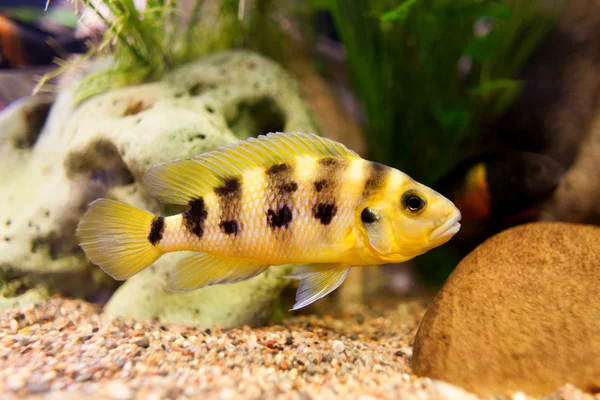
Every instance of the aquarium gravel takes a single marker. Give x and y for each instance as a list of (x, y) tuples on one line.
[(65, 349)]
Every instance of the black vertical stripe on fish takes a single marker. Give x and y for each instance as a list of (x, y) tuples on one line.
[(328, 175), (195, 218), (156, 231), (376, 177), (328, 178), (324, 212), (230, 186), (280, 195), (230, 201)]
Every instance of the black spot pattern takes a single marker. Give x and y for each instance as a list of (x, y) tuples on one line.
[(280, 188), (279, 218), (230, 201), (324, 212), (328, 179), (289, 187), (230, 227), (195, 218), (156, 231), (320, 185)]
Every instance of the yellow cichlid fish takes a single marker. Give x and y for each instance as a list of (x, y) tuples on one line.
[(281, 198)]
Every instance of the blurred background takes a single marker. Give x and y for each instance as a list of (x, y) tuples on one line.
[(488, 102)]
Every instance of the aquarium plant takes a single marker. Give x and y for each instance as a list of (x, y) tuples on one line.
[(146, 43), (431, 75)]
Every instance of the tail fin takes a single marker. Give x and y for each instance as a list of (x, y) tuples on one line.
[(114, 236)]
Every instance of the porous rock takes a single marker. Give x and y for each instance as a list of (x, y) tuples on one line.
[(519, 313), (144, 298), (102, 147), (577, 198), (32, 296)]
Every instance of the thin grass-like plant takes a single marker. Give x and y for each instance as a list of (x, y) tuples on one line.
[(145, 44), (405, 58), (431, 74)]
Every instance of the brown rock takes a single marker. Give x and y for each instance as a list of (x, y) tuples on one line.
[(577, 198), (519, 313)]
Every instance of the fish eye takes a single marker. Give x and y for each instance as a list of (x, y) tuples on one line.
[(368, 216), (413, 202)]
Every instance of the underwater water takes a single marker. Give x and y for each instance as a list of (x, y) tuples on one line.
[(424, 224)]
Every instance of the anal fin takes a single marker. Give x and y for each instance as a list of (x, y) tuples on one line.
[(317, 281), (203, 269)]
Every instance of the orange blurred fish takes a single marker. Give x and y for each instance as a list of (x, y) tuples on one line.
[(501, 184), (281, 198), (497, 190), (24, 44)]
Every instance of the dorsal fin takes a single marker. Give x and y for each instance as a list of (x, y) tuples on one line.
[(179, 181)]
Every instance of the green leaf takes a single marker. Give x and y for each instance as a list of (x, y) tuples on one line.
[(63, 17), (494, 10), (497, 95), (478, 10), (321, 4), (453, 119), (483, 48), (398, 13), (505, 100), (486, 88), (25, 14)]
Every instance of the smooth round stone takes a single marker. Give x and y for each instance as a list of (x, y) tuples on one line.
[(519, 313)]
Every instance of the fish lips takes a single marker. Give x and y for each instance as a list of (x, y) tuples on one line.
[(447, 229)]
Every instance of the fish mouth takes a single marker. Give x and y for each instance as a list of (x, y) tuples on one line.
[(448, 229)]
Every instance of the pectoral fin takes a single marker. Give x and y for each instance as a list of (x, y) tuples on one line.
[(317, 281), (203, 269), (380, 233)]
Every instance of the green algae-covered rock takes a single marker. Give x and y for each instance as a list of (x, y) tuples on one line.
[(31, 296), (103, 146), (144, 298)]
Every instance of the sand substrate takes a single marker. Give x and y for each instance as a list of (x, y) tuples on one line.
[(65, 349)]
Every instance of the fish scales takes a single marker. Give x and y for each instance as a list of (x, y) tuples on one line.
[(283, 213), (281, 198)]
